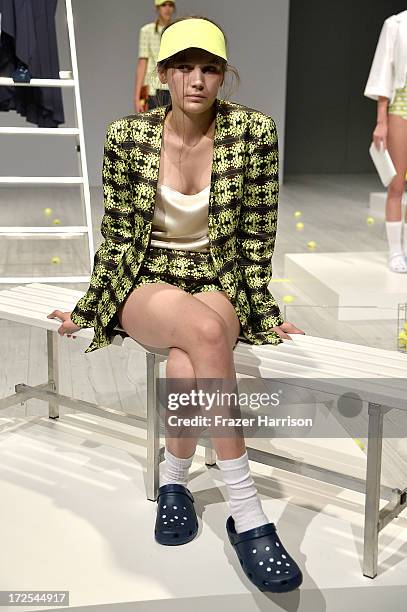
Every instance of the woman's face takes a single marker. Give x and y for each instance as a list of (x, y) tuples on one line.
[(196, 74), (166, 10)]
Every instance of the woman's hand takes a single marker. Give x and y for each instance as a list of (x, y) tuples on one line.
[(68, 327), (287, 328), (380, 135), (138, 105)]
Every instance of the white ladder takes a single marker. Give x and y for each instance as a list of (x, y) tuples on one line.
[(67, 79)]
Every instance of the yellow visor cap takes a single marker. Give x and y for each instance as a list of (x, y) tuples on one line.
[(159, 2), (189, 33)]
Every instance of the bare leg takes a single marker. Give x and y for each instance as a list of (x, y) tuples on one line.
[(179, 366), (205, 327), (397, 146)]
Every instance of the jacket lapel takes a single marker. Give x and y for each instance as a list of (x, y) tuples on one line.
[(154, 131)]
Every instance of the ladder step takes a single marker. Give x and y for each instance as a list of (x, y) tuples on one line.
[(45, 131), (51, 180), (39, 82), (24, 231), (44, 279)]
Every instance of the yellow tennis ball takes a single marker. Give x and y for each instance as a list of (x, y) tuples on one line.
[(56, 260), (312, 244), (47, 212), (405, 325), (288, 299), (370, 220), (57, 222), (297, 213), (403, 339), (299, 225), (359, 443)]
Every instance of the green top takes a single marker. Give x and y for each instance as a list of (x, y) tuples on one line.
[(149, 47)]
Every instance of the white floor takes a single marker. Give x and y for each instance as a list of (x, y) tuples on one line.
[(75, 517), (74, 513)]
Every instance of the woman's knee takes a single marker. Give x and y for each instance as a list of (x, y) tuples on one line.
[(397, 186), (213, 333)]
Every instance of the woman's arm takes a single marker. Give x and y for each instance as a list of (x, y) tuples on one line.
[(117, 226), (380, 132), (258, 223), (141, 70), (380, 80)]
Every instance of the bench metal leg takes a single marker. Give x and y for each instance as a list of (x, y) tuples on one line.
[(153, 427), (210, 455), (53, 372), (372, 500)]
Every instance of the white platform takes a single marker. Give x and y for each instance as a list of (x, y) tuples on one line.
[(377, 203), (358, 285)]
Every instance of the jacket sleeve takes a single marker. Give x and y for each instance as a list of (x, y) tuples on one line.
[(258, 223), (117, 227), (381, 76)]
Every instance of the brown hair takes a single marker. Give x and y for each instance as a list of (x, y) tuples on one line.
[(157, 21), (182, 55), (226, 68)]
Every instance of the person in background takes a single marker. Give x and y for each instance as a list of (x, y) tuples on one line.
[(387, 84), (155, 93)]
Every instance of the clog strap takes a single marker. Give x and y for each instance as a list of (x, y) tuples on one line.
[(252, 534), (175, 488)]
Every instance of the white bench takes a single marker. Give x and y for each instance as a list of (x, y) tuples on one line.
[(323, 365)]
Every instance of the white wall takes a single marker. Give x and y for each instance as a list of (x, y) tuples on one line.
[(107, 43)]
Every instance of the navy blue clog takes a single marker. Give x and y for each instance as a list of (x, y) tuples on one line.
[(176, 521), (264, 559)]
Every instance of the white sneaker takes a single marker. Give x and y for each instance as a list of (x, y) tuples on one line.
[(398, 263)]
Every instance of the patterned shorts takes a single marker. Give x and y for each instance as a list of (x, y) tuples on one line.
[(191, 271), (399, 104)]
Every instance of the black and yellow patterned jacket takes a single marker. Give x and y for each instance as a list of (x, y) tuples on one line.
[(242, 219)]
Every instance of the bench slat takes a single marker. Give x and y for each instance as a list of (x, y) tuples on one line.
[(360, 348), (317, 357), (392, 358), (33, 304), (41, 288), (339, 367), (328, 382), (14, 314), (54, 291), (315, 371)]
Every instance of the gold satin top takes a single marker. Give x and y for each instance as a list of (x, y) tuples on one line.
[(181, 221)]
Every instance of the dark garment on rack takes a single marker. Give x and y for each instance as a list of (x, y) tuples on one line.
[(28, 37)]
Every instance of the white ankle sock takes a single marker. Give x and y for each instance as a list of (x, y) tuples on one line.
[(393, 230), (175, 469), (405, 238), (244, 502)]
